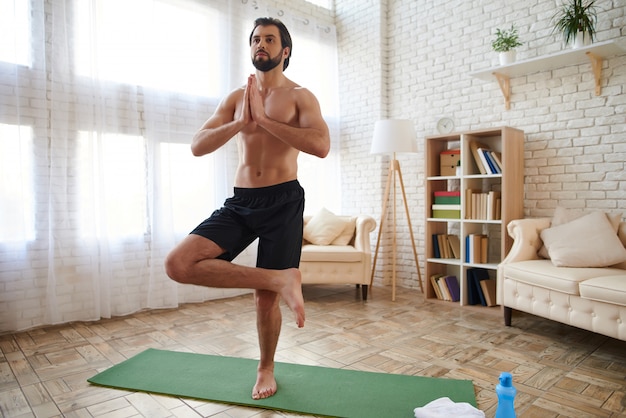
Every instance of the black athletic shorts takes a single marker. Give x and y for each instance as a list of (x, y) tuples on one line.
[(273, 214)]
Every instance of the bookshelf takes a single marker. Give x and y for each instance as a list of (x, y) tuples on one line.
[(508, 144)]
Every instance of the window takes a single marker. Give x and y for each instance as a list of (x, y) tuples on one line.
[(166, 45), (15, 32), (112, 169), (17, 203), (189, 184)]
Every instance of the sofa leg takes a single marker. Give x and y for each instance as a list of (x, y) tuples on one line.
[(508, 312), (364, 291)]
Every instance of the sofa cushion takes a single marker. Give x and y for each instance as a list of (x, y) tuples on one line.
[(346, 235), (609, 289), (336, 253), (589, 241), (543, 273), (562, 216), (323, 227)]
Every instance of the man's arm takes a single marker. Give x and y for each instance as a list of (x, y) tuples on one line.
[(222, 125), (311, 136)]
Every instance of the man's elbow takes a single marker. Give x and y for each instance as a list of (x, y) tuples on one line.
[(198, 151), (324, 149), (195, 151), (324, 153)]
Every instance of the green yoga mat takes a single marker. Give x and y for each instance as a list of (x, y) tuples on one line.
[(304, 389)]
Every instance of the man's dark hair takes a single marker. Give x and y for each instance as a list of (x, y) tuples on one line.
[(285, 37)]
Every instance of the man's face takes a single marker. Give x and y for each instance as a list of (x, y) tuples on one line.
[(266, 49)]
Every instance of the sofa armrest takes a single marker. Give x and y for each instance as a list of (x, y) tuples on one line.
[(526, 244), (526, 238), (364, 226)]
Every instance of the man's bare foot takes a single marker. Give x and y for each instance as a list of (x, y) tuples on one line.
[(292, 295), (265, 384)]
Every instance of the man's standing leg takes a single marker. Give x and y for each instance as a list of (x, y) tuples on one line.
[(280, 242), (269, 321)]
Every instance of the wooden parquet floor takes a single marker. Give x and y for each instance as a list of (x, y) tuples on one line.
[(559, 371)]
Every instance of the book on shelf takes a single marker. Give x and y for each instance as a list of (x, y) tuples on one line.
[(497, 158), (488, 288), (453, 287), (450, 211), (484, 249), (475, 293), (474, 146), (446, 287), (446, 246), (452, 197), (435, 285), (442, 243), (493, 205), (476, 248), (455, 246), (488, 161), (443, 287), (483, 205), (483, 159), (436, 252)]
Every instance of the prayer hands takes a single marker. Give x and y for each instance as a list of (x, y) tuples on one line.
[(253, 97)]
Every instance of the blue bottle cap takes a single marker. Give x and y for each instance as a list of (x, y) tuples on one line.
[(506, 379)]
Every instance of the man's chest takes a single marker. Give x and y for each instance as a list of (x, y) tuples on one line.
[(281, 107)]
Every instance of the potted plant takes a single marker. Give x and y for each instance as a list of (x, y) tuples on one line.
[(576, 21), (505, 43)]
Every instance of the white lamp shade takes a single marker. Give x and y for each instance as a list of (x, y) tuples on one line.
[(394, 135)]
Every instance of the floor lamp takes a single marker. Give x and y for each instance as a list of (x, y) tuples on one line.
[(390, 137)]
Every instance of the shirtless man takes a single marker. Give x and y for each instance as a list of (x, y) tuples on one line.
[(275, 119)]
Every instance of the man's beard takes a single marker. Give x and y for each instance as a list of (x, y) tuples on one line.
[(267, 65)]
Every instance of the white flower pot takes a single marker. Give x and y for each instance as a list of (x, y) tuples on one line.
[(507, 57), (580, 40)]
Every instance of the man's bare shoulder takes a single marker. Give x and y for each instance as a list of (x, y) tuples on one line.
[(235, 95), (298, 91), (304, 96), (231, 101)]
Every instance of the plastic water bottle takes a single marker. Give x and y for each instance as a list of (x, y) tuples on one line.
[(506, 395)]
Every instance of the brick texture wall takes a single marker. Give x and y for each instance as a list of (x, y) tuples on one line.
[(401, 59)]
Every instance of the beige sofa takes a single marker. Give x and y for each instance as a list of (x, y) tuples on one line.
[(592, 298), (340, 252)]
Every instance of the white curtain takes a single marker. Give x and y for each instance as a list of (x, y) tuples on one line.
[(99, 100)]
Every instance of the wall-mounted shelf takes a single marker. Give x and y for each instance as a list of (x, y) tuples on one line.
[(594, 53)]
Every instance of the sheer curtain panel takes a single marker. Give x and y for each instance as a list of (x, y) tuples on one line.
[(99, 100)]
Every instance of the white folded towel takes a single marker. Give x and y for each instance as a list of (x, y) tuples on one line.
[(446, 408)]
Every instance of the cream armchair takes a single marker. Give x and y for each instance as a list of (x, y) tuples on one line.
[(336, 250)]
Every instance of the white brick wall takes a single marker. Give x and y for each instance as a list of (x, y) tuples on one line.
[(575, 148)]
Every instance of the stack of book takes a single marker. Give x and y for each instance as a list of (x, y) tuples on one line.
[(446, 287), (446, 246), (480, 288), (447, 205), (487, 160), (483, 205), (476, 248)]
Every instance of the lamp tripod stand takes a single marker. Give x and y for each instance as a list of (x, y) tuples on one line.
[(394, 169)]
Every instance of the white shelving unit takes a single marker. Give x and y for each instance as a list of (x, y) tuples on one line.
[(594, 53)]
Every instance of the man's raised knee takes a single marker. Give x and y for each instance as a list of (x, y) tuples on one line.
[(174, 269)]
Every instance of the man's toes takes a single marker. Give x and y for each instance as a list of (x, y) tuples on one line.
[(263, 393)]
